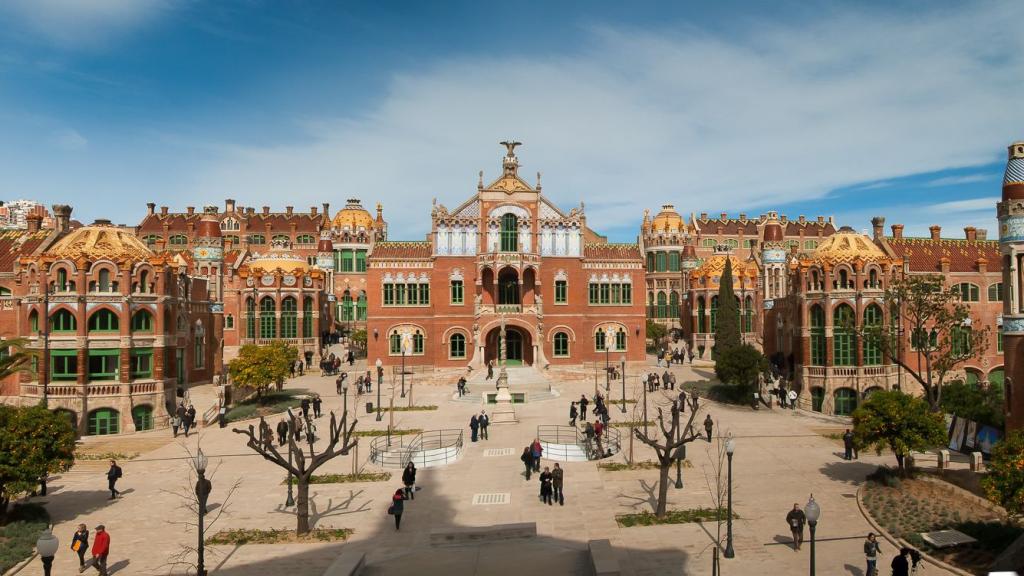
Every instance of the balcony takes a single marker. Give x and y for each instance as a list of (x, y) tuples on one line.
[(299, 342), (858, 377)]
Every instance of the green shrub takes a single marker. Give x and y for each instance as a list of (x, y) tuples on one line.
[(273, 402), (343, 478), (673, 517), (18, 536)]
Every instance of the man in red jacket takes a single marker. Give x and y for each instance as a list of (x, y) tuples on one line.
[(100, 549)]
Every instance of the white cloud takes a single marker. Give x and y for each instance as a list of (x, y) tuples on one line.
[(80, 23), (959, 180), (70, 139), (972, 205), (781, 113)]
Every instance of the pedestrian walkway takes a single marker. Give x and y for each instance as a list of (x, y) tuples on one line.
[(526, 380)]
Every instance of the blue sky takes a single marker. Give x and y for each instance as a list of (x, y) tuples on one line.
[(804, 107)]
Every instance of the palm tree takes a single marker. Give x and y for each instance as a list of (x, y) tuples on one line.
[(14, 358)]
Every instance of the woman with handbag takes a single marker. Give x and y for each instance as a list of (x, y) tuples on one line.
[(80, 543), (409, 479), (397, 507)]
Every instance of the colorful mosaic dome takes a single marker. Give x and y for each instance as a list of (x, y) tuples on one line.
[(98, 241), (668, 220), (713, 266), (279, 257), (353, 216), (846, 246)]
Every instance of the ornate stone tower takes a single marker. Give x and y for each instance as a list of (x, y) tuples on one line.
[(773, 258), (1011, 246), (208, 252)]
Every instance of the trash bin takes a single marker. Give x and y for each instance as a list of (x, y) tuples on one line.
[(369, 407)]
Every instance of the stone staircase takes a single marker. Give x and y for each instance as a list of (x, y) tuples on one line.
[(537, 386)]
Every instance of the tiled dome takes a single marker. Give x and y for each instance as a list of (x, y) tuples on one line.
[(353, 216), (846, 246), (100, 240), (668, 220)]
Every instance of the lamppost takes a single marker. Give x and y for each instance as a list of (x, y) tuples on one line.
[(812, 511), (623, 362), (405, 341), (680, 453), (290, 500), (47, 546), (730, 447), (607, 364), (203, 487), (344, 395), (380, 379)]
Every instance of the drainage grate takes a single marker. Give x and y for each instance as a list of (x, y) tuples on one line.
[(499, 451), (946, 538), (493, 498)]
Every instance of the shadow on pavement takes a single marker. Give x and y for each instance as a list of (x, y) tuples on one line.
[(848, 471)]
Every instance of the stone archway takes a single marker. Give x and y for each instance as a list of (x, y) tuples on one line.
[(519, 346)]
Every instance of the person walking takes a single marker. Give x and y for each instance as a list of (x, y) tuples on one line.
[(80, 543), (796, 520), (317, 403), (175, 424), (397, 507), (409, 479), (572, 414), (900, 565), (583, 407), (557, 477), (915, 560), (536, 451), (666, 379), (871, 552), (222, 416), (304, 404), (113, 474), (490, 369), (527, 459), (282, 432), (484, 422), (462, 386), (709, 425), (474, 427), (545, 486), (100, 551), (792, 399), (848, 445)]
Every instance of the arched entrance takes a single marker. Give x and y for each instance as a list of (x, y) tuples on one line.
[(518, 346)]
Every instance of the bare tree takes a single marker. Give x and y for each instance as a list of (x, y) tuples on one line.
[(668, 450), (186, 556), (302, 466), (717, 481)]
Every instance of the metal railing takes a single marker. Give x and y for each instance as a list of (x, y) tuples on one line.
[(426, 449), (564, 442)]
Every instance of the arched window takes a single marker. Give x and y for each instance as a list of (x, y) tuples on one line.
[(63, 321), (620, 340), (662, 264), (142, 417), (103, 321), (268, 322), (968, 292), (960, 341), (995, 292), (229, 224), (257, 239), (417, 342), (62, 281), (307, 317), (305, 239), (457, 346), (104, 281), (103, 421), (347, 310), (673, 305), (748, 314), (810, 244), (395, 343), (708, 243), (150, 239), (142, 321), (845, 401), (289, 314), (33, 322), (651, 309), (843, 339), (662, 306), (872, 324), (650, 262), (199, 345), (229, 322), (509, 233), (5, 292), (817, 317), (143, 285), (250, 318), (561, 348), (873, 279), (673, 261), (599, 340), (178, 240), (844, 280), (361, 307), (732, 243), (701, 316), (714, 313), (280, 239)]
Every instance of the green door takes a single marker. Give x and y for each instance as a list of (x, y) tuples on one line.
[(142, 416), (514, 344), (846, 401), (103, 421), (179, 365), (817, 398)]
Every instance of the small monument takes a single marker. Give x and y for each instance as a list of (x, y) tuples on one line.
[(503, 412)]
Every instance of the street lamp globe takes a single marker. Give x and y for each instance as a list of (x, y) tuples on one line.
[(47, 544), (200, 461), (378, 364), (812, 510), (730, 446)]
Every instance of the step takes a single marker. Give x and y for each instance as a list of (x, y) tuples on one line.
[(496, 533)]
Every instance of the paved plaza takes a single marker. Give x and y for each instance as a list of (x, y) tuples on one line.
[(780, 459)]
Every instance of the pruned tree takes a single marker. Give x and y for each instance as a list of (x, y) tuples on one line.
[(940, 327), (301, 465), (669, 448), (717, 481), (897, 421), (259, 367), (727, 321)]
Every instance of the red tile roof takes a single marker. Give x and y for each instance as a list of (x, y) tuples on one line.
[(280, 222), (612, 252), (810, 228), (17, 243), (729, 226), (924, 254), (403, 250)]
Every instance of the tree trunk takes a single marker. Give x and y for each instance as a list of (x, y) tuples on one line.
[(664, 470), (302, 505), (900, 464)]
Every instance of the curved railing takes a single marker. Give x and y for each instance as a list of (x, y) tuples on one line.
[(569, 444), (426, 449)]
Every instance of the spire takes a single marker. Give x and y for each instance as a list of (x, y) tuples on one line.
[(1013, 179)]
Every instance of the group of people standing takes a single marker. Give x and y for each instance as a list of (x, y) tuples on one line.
[(478, 426), (183, 418), (666, 380), (677, 355), (551, 480)]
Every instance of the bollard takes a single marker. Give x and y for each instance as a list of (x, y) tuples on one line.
[(943, 462), (977, 463)]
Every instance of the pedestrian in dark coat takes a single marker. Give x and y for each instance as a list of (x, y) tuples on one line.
[(80, 543), (557, 477), (709, 424), (222, 416), (351, 358), (282, 432), (317, 403), (583, 407), (871, 552), (409, 479), (666, 378), (527, 460), (900, 565), (397, 507), (545, 486), (113, 474), (796, 519), (848, 444), (474, 427), (572, 414), (305, 406), (490, 369), (189, 420), (484, 422)]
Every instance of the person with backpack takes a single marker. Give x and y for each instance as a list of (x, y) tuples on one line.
[(527, 460), (113, 474), (536, 451)]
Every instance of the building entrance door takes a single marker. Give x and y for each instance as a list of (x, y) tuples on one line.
[(514, 344)]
